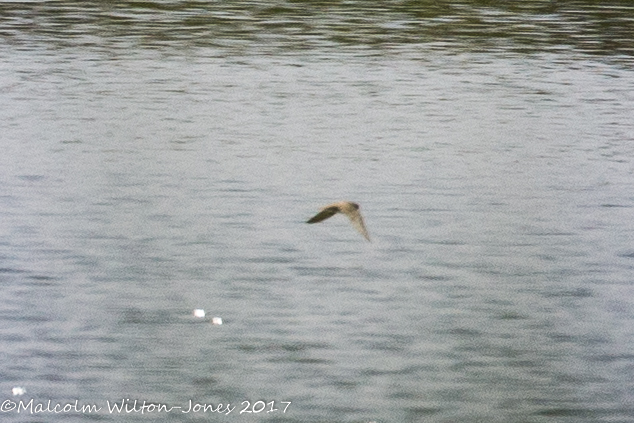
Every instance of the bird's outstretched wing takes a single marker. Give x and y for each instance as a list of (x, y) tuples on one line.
[(357, 222), (324, 214)]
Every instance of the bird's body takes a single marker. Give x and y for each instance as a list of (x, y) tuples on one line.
[(348, 208)]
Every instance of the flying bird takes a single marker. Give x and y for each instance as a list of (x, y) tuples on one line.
[(348, 208)]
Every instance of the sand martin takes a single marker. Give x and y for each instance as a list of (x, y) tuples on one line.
[(348, 208)]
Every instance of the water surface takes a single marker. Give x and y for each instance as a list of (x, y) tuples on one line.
[(159, 157)]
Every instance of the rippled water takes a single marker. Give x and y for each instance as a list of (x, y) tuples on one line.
[(161, 157)]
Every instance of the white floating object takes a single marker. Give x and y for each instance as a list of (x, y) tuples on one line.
[(199, 312), (216, 321), (18, 391)]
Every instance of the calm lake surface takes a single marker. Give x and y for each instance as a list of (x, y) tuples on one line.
[(159, 157)]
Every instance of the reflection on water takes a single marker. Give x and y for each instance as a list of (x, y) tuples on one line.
[(159, 160), (524, 27)]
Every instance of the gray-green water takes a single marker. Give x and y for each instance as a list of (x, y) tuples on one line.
[(159, 157)]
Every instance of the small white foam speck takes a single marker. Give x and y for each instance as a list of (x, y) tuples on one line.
[(18, 391)]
